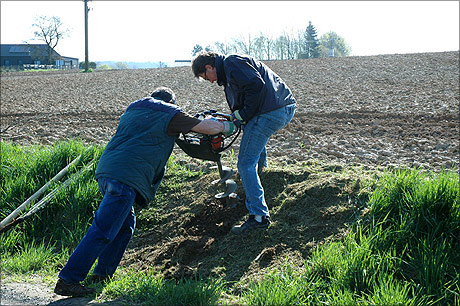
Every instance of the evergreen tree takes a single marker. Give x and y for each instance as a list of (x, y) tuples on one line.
[(311, 43)]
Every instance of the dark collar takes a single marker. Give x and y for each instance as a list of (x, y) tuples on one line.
[(221, 78)]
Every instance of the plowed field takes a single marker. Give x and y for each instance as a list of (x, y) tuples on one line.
[(391, 110)]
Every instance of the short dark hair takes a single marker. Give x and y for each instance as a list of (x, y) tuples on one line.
[(165, 94), (202, 59)]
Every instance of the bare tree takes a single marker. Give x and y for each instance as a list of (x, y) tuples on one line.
[(244, 46), (292, 44), (50, 30), (223, 47), (263, 47), (196, 49), (281, 47), (259, 43), (269, 45)]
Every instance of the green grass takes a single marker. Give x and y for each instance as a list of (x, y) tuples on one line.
[(408, 244), (151, 289), (419, 217), (24, 170), (401, 246), (284, 286), (32, 258)]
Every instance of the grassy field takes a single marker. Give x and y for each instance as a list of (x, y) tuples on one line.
[(396, 239)]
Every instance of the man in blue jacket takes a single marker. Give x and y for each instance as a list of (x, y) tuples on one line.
[(263, 104), (130, 170)]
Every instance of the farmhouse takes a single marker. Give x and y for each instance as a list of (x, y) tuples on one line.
[(34, 56)]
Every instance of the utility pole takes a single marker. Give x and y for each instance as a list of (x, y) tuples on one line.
[(86, 35)]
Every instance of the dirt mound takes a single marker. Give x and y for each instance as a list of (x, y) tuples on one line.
[(193, 237), (190, 243)]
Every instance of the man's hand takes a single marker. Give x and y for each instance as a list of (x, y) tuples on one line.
[(236, 118), (229, 128)]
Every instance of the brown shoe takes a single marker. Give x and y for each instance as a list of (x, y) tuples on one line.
[(65, 289)]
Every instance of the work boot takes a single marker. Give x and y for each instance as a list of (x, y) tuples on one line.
[(99, 278), (250, 224), (66, 289)]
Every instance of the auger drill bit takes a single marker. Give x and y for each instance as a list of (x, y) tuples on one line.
[(230, 185), (224, 172)]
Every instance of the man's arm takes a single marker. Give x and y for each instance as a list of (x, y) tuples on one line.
[(183, 123), (243, 73), (209, 126)]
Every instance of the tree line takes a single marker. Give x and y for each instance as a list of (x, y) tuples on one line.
[(300, 44)]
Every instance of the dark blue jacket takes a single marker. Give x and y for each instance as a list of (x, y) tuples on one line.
[(138, 152), (250, 86)]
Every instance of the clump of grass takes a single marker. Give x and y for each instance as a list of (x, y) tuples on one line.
[(151, 289), (286, 286), (24, 170), (407, 249), (413, 205), (32, 258), (420, 216)]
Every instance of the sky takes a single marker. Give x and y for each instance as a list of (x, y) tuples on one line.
[(143, 31)]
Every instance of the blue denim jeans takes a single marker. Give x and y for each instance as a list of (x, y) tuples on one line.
[(107, 237), (253, 154)]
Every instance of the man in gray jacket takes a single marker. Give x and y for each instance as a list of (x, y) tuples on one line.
[(130, 169), (263, 104)]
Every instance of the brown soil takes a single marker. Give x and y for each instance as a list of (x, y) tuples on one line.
[(188, 236), (179, 253)]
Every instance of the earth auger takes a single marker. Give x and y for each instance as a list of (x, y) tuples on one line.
[(210, 147)]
